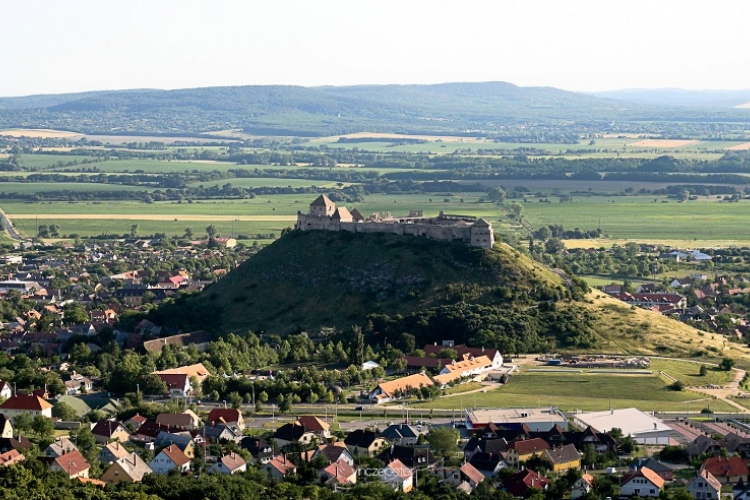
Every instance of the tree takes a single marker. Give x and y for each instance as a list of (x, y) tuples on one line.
[(75, 313), (357, 346), (42, 427), (726, 364), (211, 231), (64, 411), (703, 371), (553, 245), (188, 232), (443, 441), (235, 399), (517, 210), (22, 423), (134, 230)]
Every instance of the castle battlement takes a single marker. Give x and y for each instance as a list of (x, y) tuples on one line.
[(324, 215)]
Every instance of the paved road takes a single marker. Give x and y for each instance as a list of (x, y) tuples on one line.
[(9, 227)]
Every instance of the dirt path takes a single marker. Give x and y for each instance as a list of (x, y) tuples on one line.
[(732, 388)]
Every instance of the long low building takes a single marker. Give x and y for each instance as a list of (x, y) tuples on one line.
[(642, 427), (396, 389), (536, 419)]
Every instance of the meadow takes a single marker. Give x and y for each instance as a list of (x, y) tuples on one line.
[(576, 391)]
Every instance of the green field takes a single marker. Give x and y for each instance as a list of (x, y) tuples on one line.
[(254, 182), (152, 166), (641, 218), (46, 161), (79, 187), (119, 227), (574, 391)]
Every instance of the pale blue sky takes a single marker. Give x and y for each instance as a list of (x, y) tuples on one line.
[(52, 46)]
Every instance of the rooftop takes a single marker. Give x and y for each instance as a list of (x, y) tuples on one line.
[(513, 416), (630, 420)]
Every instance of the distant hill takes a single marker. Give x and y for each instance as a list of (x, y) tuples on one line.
[(295, 110), (680, 97)]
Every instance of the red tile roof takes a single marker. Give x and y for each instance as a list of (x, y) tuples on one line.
[(646, 473), (526, 446), (29, 403), (313, 423), (72, 463), (225, 415), (176, 455), (472, 473), (725, 466)]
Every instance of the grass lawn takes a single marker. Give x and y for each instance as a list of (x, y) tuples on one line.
[(570, 392), (689, 372), (78, 187)]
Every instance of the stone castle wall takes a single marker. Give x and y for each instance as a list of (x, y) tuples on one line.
[(430, 228)]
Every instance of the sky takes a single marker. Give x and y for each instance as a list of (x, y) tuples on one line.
[(49, 46)]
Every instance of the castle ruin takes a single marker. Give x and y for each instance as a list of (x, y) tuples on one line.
[(325, 216)]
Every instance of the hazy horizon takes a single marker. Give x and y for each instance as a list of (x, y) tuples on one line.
[(579, 45)]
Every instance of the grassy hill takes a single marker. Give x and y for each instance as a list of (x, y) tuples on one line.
[(433, 290), (310, 279)]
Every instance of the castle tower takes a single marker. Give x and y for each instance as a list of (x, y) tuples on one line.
[(482, 234), (322, 206)]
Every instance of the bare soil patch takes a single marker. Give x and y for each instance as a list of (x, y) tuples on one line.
[(380, 135), (40, 133), (740, 147)]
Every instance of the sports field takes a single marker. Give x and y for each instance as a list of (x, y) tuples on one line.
[(576, 391)]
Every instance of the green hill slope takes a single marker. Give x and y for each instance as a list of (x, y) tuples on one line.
[(310, 279)]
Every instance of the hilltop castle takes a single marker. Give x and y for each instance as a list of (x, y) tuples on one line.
[(324, 215)]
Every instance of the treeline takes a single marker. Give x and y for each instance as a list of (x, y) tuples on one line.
[(511, 331)]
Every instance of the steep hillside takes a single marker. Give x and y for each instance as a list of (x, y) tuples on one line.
[(306, 280)]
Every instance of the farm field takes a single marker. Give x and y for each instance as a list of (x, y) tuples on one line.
[(574, 391), (45, 161), (171, 227), (79, 187), (253, 182), (640, 219), (151, 166)]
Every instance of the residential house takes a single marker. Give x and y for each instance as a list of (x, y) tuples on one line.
[(338, 474), (601, 441), (489, 464), (524, 449), (702, 444), (136, 421), (395, 389), (226, 416), (223, 432), (736, 444), (78, 384), (334, 452), (643, 482), (320, 427), (704, 486), (412, 456), (398, 476), (279, 467), (741, 490), (229, 464), (293, 433), (110, 430), (470, 475), (170, 458), (183, 441), (562, 458), (520, 482), (364, 442), (73, 464), (19, 444), (11, 457), (178, 385), (259, 448), (726, 469), (26, 405), (583, 485), (6, 426), (128, 469), (481, 445), (178, 420), (6, 391), (59, 447), (664, 471), (112, 452), (401, 434)]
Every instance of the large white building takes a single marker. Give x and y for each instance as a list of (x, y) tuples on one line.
[(537, 419), (642, 427)]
